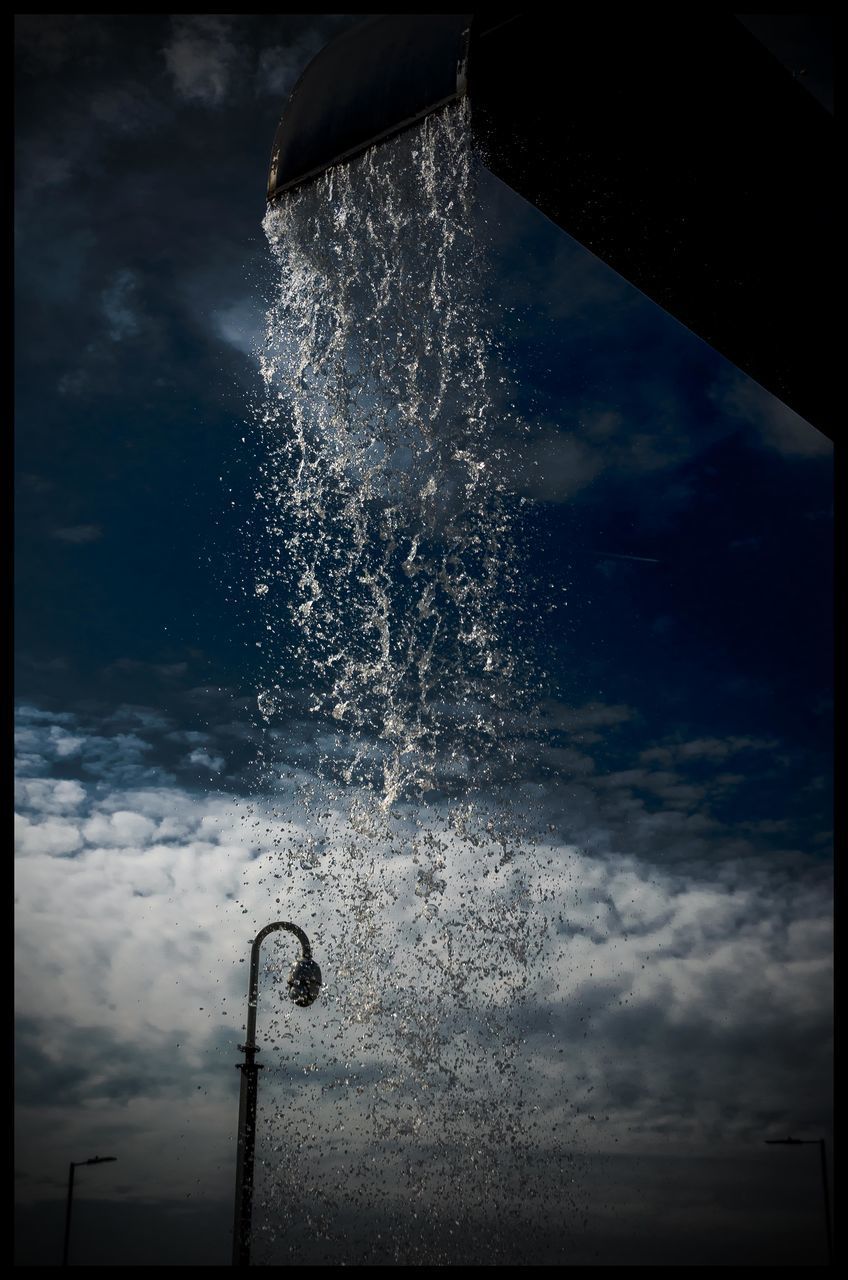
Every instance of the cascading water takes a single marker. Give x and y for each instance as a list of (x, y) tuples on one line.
[(385, 513), (394, 718)]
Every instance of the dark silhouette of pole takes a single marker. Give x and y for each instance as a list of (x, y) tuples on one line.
[(68, 1213), (813, 1142), (826, 1191), (70, 1200), (304, 983)]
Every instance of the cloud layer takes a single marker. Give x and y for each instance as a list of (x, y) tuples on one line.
[(644, 1005)]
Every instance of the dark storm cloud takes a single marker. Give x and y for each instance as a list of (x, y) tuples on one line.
[(85, 1064)]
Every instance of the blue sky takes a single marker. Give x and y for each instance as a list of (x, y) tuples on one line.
[(671, 536)]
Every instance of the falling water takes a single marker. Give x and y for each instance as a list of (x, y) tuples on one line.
[(393, 697), (385, 513)]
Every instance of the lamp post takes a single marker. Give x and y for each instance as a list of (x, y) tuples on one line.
[(812, 1142), (304, 983), (75, 1164)]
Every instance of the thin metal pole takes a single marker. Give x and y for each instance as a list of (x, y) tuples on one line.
[(68, 1213), (244, 1159), (243, 1211), (826, 1201), (820, 1143)]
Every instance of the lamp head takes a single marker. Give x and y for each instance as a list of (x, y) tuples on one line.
[(304, 982)]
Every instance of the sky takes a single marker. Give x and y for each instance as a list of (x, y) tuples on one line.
[(629, 992)]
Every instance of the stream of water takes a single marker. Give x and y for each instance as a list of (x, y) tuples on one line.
[(394, 694)]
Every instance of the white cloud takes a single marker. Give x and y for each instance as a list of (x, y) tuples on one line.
[(455, 952), (213, 763), (49, 795), (121, 828), (48, 837), (63, 743)]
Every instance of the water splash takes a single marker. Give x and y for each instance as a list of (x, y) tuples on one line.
[(394, 702), (386, 520)]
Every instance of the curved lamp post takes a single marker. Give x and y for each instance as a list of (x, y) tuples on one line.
[(74, 1165), (812, 1142), (304, 983)]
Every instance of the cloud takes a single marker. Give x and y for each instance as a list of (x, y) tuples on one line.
[(213, 763), (73, 383), (113, 758), (553, 461), (92, 113), (133, 667), (79, 534), (46, 42), (574, 442), (116, 302), (121, 828), (706, 749), (779, 428), (554, 465), (35, 483), (241, 325), (120, 319), (49, 837), (280, 66), (590, 716), (126, 110), (144, 718), (200, 57), (49, 795), (552, 999)]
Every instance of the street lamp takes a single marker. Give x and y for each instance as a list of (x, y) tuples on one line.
[(304, 983), (812, 1142), (74, 1165)]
